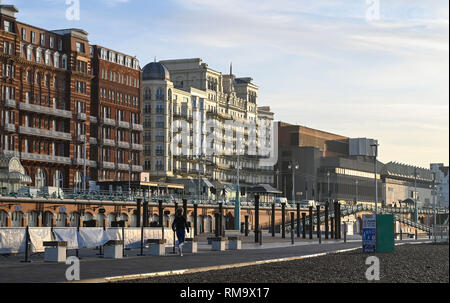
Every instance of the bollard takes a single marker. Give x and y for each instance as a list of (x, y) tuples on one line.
[(260, 235), (174, 241), (142, 241), (304, 225), (138, 213), (327, 227), (195, 219), (416, 234), (345, 233), (332, 227), (311, 223), (221, 231), (160, 211), (298, 220), (216, 227), (401, 234), (27, 243), (256, 218), (283, 220), (318, 223), (246, 226), (123, 239), (145, 214), (292, 228), (273, 220)]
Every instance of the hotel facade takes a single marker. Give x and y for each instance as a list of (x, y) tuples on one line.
[(66, 107), (197, 121)]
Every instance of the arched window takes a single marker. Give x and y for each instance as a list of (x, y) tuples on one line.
[(33, 219), (58, 180), (40, 178), (159, 94), (17, 219), (147, 94), (47, 219)]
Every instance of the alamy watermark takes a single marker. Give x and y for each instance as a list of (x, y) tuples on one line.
[(373, 272), (73, 271), (373, 10), (73, 10)]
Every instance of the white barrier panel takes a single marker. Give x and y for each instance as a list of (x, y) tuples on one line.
[(115, 233), (68, 235), (92, 237), (39, 235), (12, 240), (132, 237)]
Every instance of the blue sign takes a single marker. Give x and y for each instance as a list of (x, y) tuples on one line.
[(369, 234)]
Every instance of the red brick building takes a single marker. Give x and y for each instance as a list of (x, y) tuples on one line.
[(58, 100)]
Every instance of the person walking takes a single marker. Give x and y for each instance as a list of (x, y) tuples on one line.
[(180, 226)]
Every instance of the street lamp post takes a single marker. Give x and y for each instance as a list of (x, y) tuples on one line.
[(328, 186), (237, 204), (293, 167), (415, 195), (357, 182), (434, 206), (375, 153)]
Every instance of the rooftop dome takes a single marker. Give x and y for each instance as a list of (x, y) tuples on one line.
[(155, 71)]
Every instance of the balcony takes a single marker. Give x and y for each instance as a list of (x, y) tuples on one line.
[(139, 147), (137, 168), (10, 103), (108, 165), (124, 167), (82, 116), (81, 138), (89, 163), (44, 133), (11, 153), (10, 128), (137, 127), (108, 142), (125, 145), (45, 110), (45, 158), (108, 121), (123, 124), (93, 141), (93, 120)]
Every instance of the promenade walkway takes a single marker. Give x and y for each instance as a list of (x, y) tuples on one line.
[(94, 267)]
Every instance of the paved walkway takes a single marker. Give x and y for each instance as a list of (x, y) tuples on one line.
[(93, 266)]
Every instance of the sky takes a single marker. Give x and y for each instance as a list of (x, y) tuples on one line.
[(359, 68)]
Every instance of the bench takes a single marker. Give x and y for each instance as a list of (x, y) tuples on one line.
[(219, 243), (235, 243), (55, 251), (191, 245), (113, 249), (157, 247)]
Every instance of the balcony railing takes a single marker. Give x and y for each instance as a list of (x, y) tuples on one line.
[(108, 121), (81, 138), (137, 127), (93, 120), (137, 168), (10, 103), (44, 133), (82, 116), (124, 167), (10, 127), (108, 165), (11, 153), (45, 110), (93, 141), (123, 124), (108, 142), (139, 147), (46, 158), (123, 144), (89, 163)]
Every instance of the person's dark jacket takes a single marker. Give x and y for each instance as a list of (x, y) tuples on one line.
[(180, 223)]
